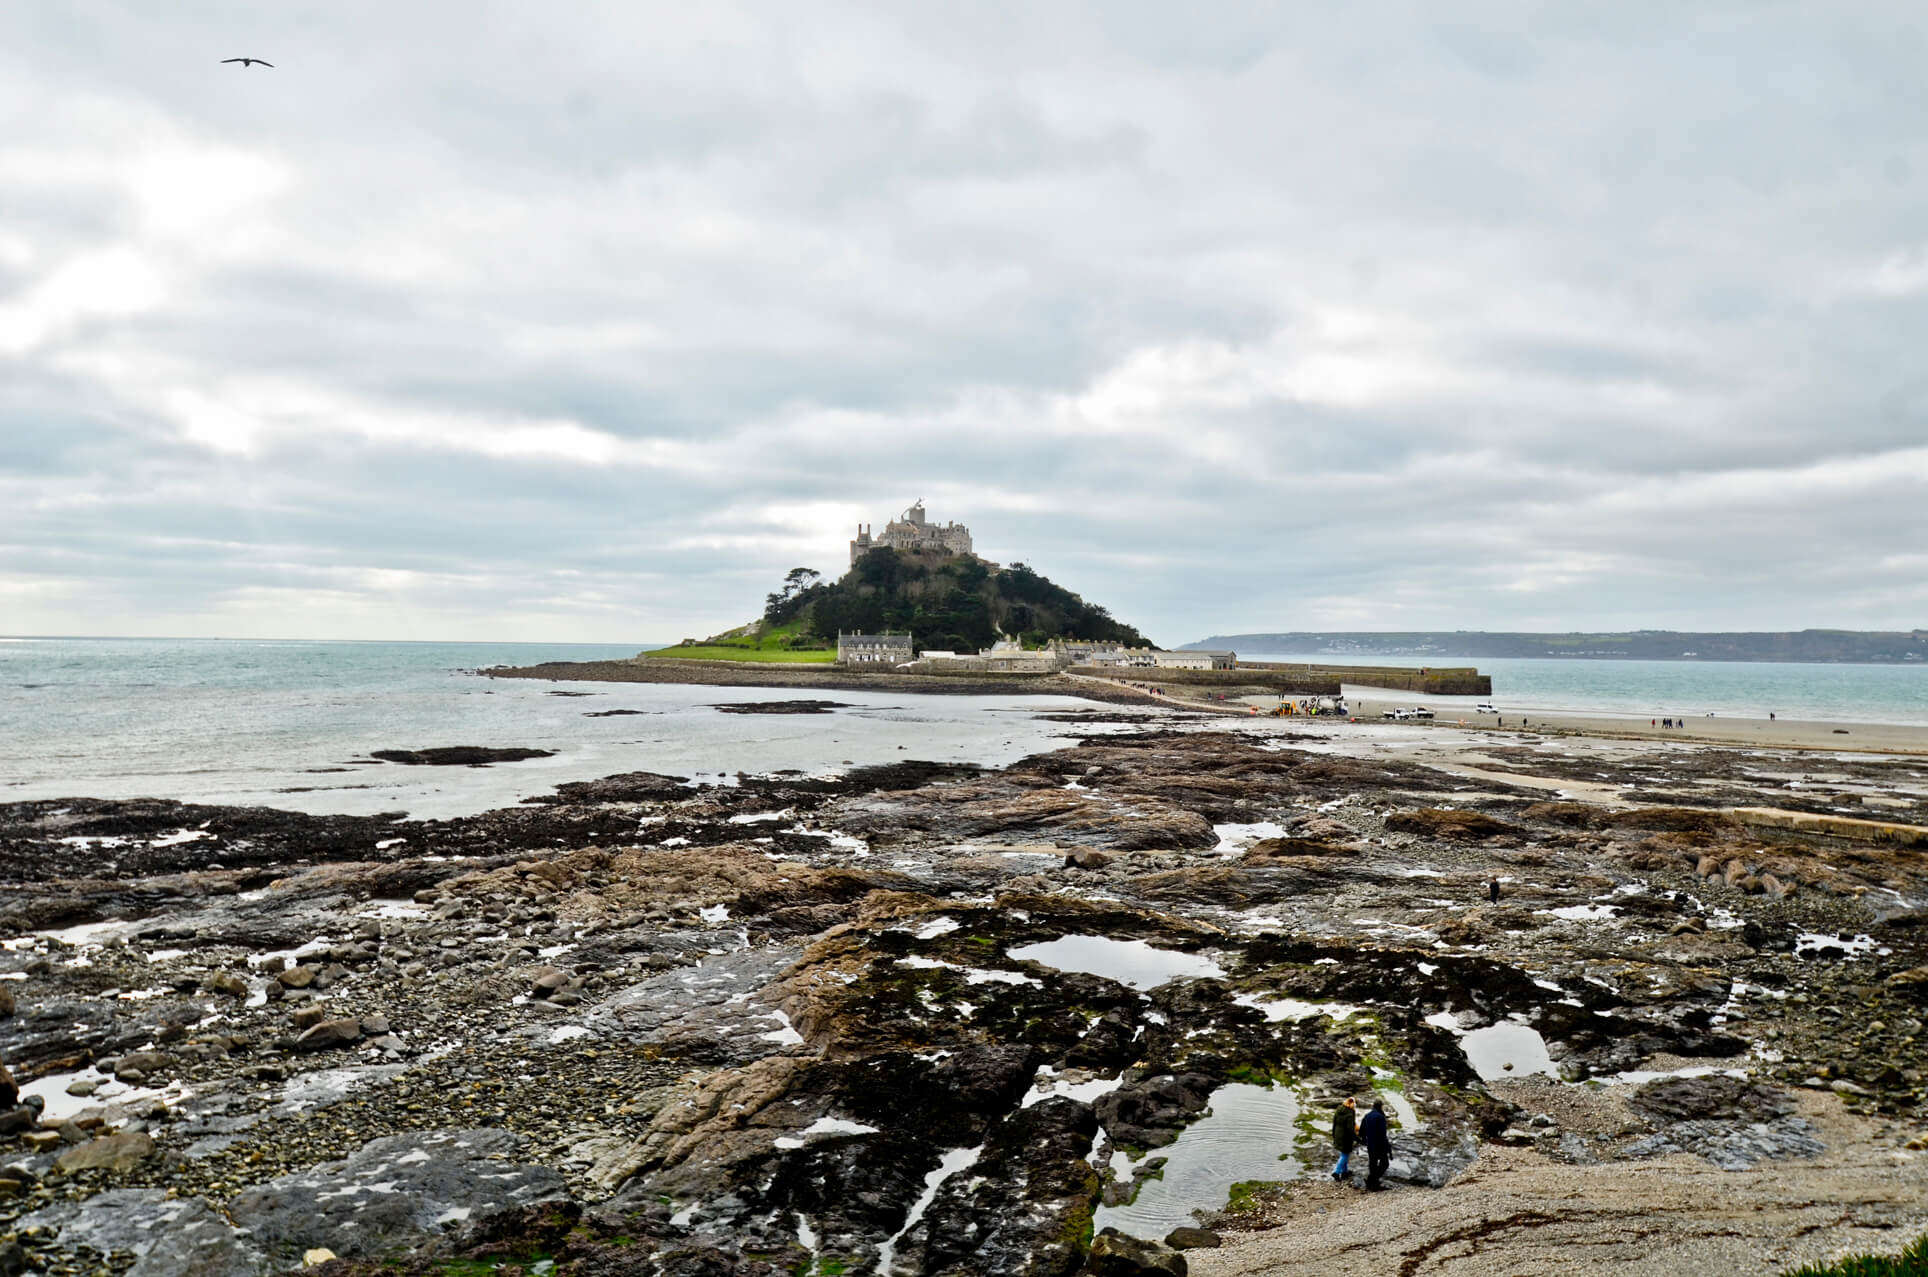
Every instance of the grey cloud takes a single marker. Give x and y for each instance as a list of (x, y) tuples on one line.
[(1258, 318)]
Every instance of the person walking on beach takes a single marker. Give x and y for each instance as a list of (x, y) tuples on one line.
[(1345, 1134), (1372, 1130), (1493, 891)]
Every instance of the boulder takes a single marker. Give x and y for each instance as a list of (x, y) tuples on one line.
[(330, 1033), (1113, 1254), (1085, 858), (298, 977), (1912, 984), (227, 984), (1149, 1114), (140, 1064), (9, 1089), (1185, 1238), (116, 1153), (547, 981), (307, 1017), (6, 1000)]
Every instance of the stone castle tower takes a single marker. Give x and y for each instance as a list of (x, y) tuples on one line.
[(912, 531)]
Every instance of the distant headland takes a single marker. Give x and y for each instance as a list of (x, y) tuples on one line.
[(1867, 647)]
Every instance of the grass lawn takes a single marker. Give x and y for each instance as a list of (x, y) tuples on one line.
[(717, 652)]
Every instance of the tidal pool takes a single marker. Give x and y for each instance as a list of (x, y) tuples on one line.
[(1249, 1134), (1130, 962), (1503, 1050)]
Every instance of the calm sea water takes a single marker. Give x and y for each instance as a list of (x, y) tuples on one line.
[(1831, 693), (281, 723)]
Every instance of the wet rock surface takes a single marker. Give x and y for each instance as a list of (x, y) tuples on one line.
[(646, 1025)]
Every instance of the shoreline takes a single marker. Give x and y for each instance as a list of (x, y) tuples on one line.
[(1367, 704), (1780, 733)]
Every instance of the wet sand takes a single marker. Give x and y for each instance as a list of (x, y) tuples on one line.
[(1781, 733)]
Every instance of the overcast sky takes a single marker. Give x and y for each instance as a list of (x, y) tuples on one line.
[(587, 321)]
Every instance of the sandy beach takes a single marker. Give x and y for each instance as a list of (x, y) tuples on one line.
[(1369, 704)]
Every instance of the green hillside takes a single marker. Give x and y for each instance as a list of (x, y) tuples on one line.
[(949, 602)]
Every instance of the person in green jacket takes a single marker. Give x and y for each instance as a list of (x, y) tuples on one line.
[(1345, 1134)]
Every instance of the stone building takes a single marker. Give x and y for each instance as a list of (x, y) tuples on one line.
[(873, 649), (911, 531)]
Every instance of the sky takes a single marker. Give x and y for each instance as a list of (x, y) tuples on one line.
[(586, 322)]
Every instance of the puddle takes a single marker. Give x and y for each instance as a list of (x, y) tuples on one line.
[(1049, 1084), (1277, 1009), (87, 933), (1809, 944), (1238, 837), (52, 1090), (1582, 913), (954, 1161), (1130, 962), (824, 1126), (1503, 1050), (1250, 1134)]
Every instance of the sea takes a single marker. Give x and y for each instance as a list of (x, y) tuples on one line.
[(1895, 694), (291, 724)]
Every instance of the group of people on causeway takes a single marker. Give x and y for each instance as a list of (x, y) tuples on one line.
[(1349, 1130)]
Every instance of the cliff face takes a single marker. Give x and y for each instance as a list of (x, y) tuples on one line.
[(955, 602)]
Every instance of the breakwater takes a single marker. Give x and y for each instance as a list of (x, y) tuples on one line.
[(1454, 681)]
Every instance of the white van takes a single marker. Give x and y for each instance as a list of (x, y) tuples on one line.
[(1485, 707)]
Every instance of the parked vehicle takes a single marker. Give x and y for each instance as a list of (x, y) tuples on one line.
[(1419, 711), (1485, 707)]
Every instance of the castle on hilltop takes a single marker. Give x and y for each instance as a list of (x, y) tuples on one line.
[(910, 531)]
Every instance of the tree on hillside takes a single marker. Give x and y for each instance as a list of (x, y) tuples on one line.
[(954, 602)]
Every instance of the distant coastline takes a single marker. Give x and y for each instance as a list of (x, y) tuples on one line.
[(1852, 647)]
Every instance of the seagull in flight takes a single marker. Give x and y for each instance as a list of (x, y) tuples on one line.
[(247, 62)]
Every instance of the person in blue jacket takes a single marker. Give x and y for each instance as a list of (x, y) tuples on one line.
[(1373, 1134)]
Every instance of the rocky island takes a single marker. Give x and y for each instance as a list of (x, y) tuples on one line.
[(935, 1019)]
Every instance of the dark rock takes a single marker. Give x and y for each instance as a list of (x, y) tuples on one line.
[(780, 707), (1435, 822), (1430, 1159), (1193, 1239), (1086, 858), (393, 1190), (459, 756), (547, 981), (1675, 1099), (174, 1237), (15, 1120), (6, 999), (1151, 1113), (1115, 1255), (9, 1089)]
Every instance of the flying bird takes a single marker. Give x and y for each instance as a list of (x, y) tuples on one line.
[(248, 62)]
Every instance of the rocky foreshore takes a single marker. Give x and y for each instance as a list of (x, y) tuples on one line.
[(934, 1019)]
